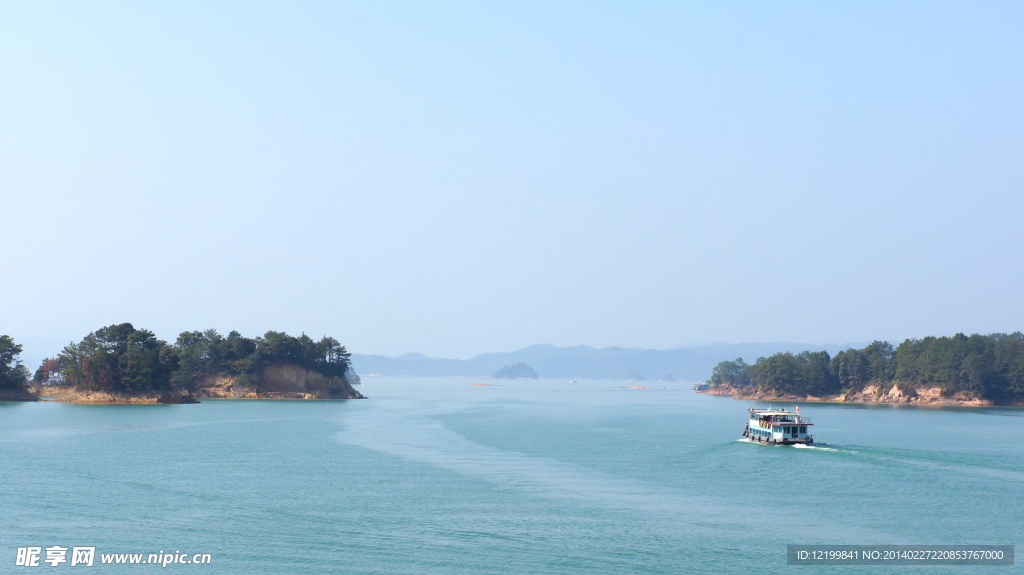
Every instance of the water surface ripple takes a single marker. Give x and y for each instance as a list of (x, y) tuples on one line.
[(439, 476)]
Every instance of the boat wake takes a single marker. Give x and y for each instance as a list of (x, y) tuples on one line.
[(415, 431), (821, 446), (818, 446), (980, 470)]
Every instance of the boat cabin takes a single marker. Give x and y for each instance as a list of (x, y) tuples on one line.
[(778, 426)]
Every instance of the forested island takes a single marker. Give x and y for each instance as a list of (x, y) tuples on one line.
[(518, 370), (122, 364), (961, 370)]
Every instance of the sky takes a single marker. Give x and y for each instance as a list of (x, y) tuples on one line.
[(458, 178)]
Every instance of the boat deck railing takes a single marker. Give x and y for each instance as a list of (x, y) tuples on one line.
[(802, 419)]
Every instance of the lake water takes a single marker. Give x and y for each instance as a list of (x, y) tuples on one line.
[(436, 475)]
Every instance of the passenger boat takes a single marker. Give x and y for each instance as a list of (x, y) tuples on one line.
[(778, 426), (701, 386)]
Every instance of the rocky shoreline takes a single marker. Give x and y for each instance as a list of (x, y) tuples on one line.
[(72, 395), (897, 394), (285, 381), (282, 381)]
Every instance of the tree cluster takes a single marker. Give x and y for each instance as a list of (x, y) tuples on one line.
[(13, 374), (208, 352), (986, 366), (119, 359), (122, 359)]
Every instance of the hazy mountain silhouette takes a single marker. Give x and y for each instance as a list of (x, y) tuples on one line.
[(581, 361)]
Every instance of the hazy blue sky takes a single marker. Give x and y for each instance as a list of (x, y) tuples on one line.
[(455, 178)]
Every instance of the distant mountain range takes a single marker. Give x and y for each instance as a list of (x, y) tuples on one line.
[(581, 361)]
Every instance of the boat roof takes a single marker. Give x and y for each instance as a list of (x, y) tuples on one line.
[(771, 412)]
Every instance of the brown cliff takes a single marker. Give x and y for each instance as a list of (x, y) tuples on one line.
[(286, 381)]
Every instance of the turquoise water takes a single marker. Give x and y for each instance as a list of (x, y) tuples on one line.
[(548, 477)]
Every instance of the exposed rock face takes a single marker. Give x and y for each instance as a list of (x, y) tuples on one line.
[(280, 382), (292, 381), (898, 393), (71, 395), (223, 386), (909, 394)]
